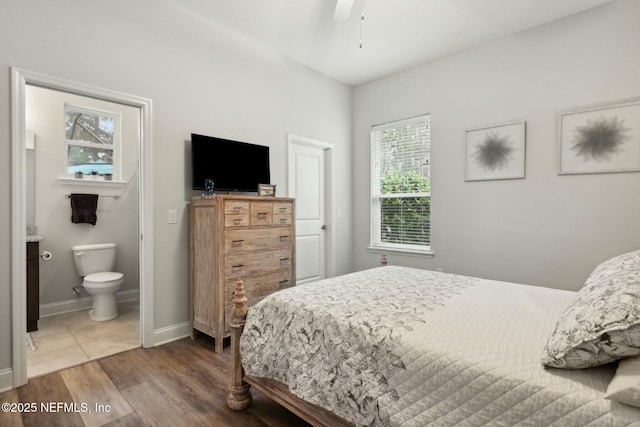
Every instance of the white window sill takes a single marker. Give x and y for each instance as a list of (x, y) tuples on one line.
[(411, 252), (98, 182)]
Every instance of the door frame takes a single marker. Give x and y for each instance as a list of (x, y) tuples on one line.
[(330, 216), (20, 78)]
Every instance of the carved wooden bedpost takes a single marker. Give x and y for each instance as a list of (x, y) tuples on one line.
[(239, 397)]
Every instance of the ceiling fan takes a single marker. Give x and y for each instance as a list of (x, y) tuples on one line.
[(343, 10)]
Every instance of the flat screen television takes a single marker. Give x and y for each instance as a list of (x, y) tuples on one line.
[(232, 165)]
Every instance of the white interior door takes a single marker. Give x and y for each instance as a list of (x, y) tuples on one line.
[(307, 182)]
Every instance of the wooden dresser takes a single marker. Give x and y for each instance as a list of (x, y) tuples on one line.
[(247, 237)]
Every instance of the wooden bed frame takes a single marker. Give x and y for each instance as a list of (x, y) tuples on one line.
[(239, 396)]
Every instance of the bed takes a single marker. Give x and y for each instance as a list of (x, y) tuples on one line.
[(396, 346)]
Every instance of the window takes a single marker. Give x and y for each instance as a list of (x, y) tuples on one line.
[(400, 194), (92, 141)]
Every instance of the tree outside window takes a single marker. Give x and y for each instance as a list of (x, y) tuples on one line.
[(401, 190), (92, 138)]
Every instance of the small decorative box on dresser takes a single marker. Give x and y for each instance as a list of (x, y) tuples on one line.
[(247, 237)]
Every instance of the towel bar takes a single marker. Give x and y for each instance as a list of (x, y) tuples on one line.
[(115, 196)]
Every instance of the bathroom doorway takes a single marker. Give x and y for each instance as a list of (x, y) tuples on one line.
[(39, 110)]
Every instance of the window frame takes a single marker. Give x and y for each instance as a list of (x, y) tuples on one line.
[(375, 241), (115, 147)]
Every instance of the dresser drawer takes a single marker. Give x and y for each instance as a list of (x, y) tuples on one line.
[(249, 240), (282, 219), (261, 213), (252, 264), (256, 288), (232, 207), (282, 208), (236, 213), (239, 220), (282, 214)]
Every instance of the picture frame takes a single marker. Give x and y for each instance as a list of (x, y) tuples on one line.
[(600, 139), (267, 190), (495, 152)]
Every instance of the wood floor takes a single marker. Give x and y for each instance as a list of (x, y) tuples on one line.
[(183, 383)]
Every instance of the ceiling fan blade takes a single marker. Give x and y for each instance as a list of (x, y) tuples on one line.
[(343, 9)]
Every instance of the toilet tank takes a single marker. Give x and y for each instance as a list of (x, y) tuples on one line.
[(94, 258)]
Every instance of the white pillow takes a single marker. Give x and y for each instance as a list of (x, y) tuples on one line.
[(603, 323), (625, 385)]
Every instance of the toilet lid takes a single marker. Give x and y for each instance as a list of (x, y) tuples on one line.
[(103, 277)]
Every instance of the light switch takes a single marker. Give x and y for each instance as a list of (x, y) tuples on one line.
[(173, 216)]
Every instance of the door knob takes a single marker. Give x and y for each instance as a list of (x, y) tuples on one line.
[(324, 227)]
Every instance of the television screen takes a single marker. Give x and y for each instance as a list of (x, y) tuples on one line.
[(232, 165)]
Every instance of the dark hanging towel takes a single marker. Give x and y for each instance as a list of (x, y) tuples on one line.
[(83, 208)]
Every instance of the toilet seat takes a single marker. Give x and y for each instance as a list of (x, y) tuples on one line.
[(105, 278)]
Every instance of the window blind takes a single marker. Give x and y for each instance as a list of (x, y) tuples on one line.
[(401, 198)]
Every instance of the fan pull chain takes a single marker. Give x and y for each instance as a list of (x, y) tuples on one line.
[(361, 21)]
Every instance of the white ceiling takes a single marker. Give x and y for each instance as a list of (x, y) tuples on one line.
[(396, 34)]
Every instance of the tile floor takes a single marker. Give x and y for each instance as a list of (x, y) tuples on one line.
[(70, 339)]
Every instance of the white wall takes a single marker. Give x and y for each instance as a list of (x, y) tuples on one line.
[(201, 79), (117, 218), (546, 230)]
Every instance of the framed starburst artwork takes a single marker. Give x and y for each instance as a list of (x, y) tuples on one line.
[(600, 139), (495, 152)]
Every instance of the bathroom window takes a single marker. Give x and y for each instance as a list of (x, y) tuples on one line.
[(92, 142)]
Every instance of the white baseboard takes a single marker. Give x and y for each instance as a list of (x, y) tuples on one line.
[(84, 303), (6, 380), (171, 333)]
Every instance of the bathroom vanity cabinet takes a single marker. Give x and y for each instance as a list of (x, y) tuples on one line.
[(33, 285), (237, 237)]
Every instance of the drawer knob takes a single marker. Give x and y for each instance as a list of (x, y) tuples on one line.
[(262, 215), (284, 238), (237, 209), (284, 282), (283, 220), (237, 221), (237, 267), (284, 259), (237, 242)]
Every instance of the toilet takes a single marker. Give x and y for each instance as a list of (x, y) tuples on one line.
[(95, 264)]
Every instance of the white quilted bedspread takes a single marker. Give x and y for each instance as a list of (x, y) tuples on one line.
[(405, 347)]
